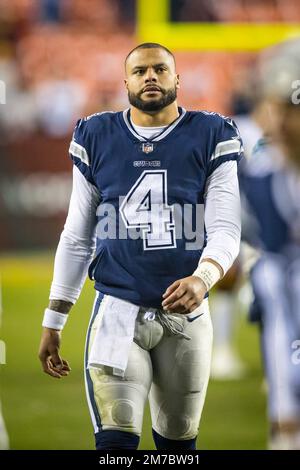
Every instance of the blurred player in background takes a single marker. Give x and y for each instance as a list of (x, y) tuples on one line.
[(251, 113), (150, 331), (271, 185)]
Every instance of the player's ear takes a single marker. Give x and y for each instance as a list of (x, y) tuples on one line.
[(126, 83), (177, 81)]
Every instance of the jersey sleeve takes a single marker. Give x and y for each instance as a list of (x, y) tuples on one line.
[(227, 146), (80, 149)]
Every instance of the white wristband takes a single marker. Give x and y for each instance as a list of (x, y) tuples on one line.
[(54, 320), (208, 273)]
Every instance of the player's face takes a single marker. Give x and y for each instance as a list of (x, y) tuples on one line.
[(151, 79)]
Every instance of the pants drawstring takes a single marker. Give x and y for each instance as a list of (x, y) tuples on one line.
[(171, 324)]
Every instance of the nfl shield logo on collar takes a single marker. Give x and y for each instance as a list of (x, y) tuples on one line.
[(147, 147)]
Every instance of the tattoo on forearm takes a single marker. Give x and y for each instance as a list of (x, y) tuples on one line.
[(61, 306)]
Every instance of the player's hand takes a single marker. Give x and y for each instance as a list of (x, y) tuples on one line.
[(184, 295), (52, 363)]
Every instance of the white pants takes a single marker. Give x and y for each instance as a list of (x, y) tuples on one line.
[(172, 370), (276, 282)]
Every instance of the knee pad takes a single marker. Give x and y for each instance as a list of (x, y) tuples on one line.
[(122, 412), (172, 425), (177, 427), (162, 443), (114, 440)]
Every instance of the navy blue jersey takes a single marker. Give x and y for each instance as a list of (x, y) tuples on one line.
[(272, 200), (144, 185)]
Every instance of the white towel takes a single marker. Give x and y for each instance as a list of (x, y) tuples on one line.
[(114, 335)]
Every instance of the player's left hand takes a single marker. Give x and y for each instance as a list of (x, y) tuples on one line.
[(184, 295)]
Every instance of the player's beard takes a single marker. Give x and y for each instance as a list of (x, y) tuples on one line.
[(168, 97)]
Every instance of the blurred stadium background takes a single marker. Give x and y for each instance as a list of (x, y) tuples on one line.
[(62, 59)]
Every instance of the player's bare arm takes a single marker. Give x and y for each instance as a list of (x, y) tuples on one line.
[(52, 363)]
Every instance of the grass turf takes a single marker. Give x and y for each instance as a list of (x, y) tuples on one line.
[(43, 413)]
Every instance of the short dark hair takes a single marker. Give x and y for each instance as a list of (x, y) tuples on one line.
[(150, 45)]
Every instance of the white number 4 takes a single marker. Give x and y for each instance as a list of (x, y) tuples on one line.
[(145, 207)]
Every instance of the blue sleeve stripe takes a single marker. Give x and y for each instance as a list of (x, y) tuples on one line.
[(225, 158)]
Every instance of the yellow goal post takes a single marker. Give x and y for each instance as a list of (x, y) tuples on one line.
[(153, 25)]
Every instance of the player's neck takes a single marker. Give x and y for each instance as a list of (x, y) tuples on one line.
[(163, 117)]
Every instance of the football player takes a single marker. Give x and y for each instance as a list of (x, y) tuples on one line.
[(156, 186)]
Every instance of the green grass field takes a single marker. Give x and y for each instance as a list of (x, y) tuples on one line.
[(43, 413)]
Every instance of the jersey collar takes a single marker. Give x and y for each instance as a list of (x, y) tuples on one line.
[(162, 135)]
